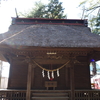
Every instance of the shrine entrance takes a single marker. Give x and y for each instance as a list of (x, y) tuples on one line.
[(50, 80), (39, 50)]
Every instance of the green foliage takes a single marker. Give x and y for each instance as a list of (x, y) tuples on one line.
[(92, 22), (97, 25), (53, 10), (89, 7), (98, 21), (37, 12), (82, 3), (92, 4), (92, 10)]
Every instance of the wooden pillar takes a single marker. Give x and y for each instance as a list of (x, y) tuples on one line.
[(94, 67), (66, 76), (33, 72), (72, 83), (28, 93)]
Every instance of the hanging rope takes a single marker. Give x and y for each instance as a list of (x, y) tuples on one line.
[(51, 69)]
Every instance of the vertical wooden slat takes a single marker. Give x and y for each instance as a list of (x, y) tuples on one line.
[(72, 83), (33, 69), (66, 76), (28, 93)]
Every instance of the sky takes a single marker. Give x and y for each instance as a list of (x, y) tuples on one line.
[(5, 72), (7, 10)]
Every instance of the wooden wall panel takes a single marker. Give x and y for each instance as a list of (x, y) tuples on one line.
[(38, 79), (18, 76), (67, 78), (82, 77)]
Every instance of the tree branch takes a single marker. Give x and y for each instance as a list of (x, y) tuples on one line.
[(93, 8)]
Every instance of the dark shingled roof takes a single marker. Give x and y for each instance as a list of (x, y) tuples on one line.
[(50, 35)]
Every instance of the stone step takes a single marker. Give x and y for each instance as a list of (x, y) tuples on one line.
[(49, 94), (50, 98)]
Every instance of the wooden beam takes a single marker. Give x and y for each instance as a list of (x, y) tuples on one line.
[(28, 93), (72, 82)]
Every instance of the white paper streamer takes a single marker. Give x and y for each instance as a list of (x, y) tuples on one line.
[(52, 74), (58, 73), (48, 75), (43, 73)]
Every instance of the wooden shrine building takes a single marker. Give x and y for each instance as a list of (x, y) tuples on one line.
[(49, 59)]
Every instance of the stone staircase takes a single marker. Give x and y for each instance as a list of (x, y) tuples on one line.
[(50, 95)]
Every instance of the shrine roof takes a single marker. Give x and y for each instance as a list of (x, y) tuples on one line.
[(49, 33)]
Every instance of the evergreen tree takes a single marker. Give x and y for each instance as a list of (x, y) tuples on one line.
[(52, 10), (55, 10), (97, 25), (37, 12)]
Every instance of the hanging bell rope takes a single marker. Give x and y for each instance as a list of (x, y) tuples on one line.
[(51, 69)]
